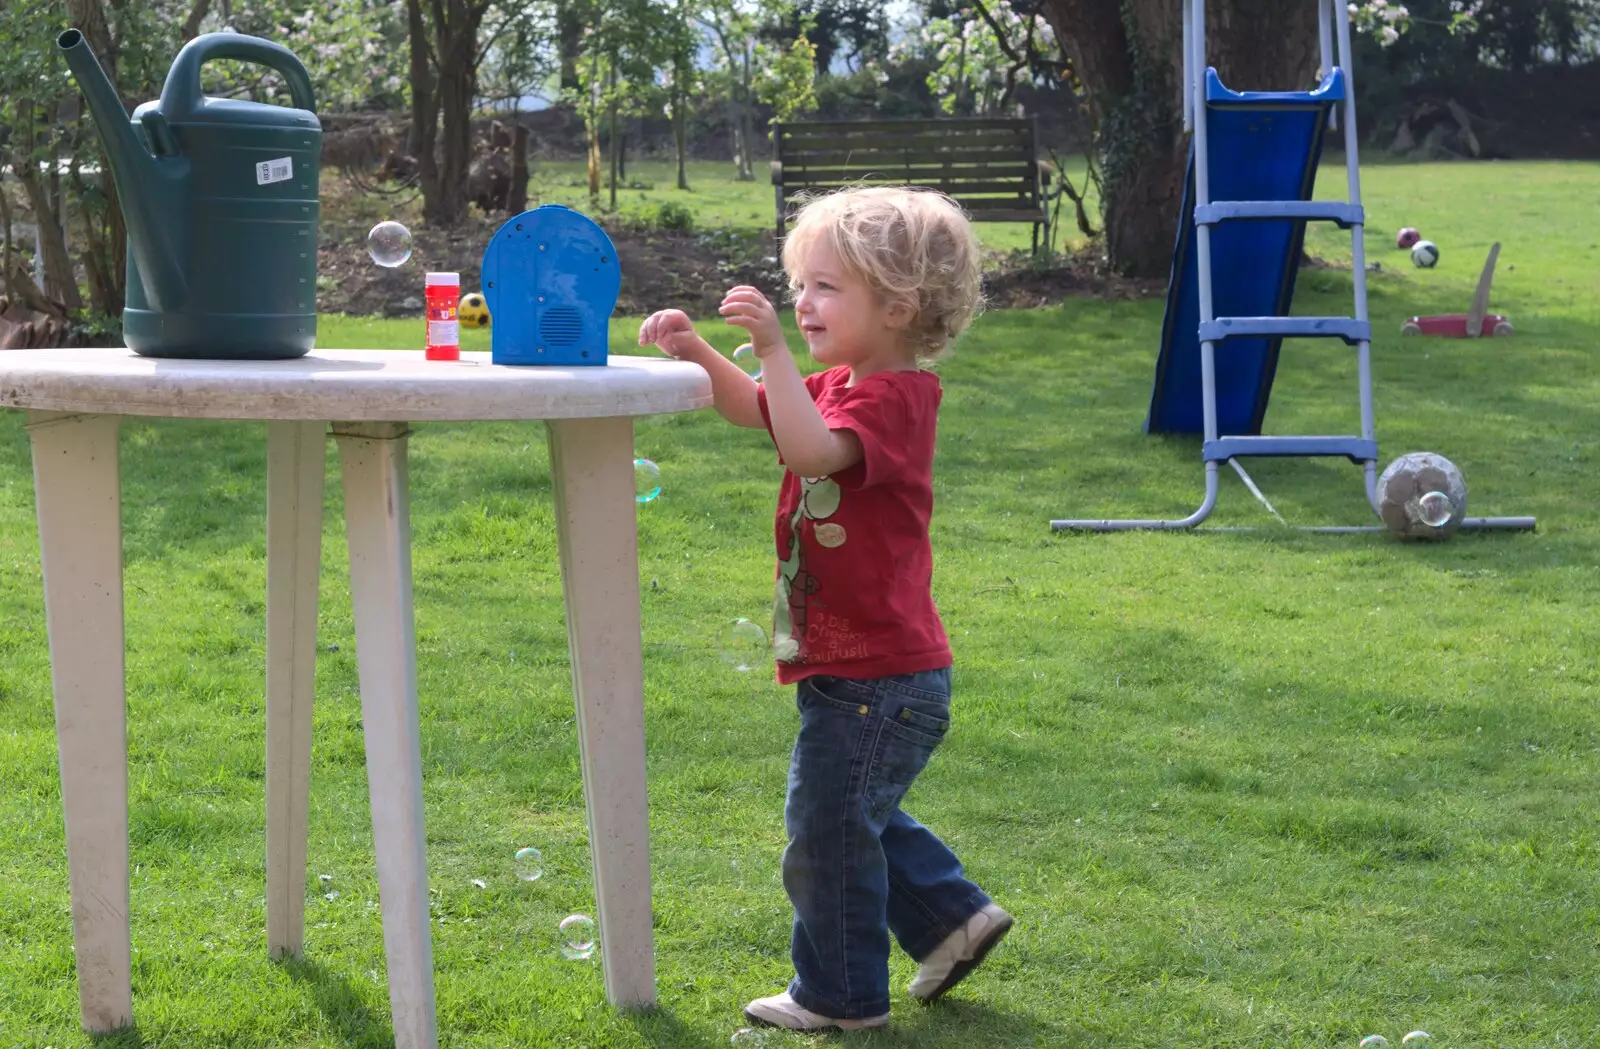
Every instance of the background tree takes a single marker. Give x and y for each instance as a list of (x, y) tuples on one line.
[(979, 57), (444, 62), (788, 73), (737, 28), (622, 51), (855, 30), (682, 44), (518, 60), (75, 259), (1128, 56)]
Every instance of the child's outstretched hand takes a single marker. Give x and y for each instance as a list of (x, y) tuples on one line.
[(747, 308), (669, 329)]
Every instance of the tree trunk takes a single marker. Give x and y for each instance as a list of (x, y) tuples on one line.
[(680, 134), (517, 195), (105, 246), (747, 135), (456, 81), (44, 200), (592, 125), (424, 111), (1128, 54), (105, 258), (15, 281), (444, 81), (569, 31), (613, 144)]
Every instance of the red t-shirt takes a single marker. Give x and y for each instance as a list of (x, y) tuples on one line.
[(855, 565)]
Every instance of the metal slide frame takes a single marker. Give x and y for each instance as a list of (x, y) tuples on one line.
[(1333, 23)]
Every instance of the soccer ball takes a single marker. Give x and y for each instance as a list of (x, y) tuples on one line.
[(1422, 496), (1406, 238), (473, 311), (1425, 253)]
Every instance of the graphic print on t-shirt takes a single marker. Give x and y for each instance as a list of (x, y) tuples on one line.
[(819, 500)]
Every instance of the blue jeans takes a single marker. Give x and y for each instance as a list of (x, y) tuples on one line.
[(857, 867)]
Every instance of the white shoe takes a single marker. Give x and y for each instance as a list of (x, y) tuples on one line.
[(960, 953), (782, 1011)]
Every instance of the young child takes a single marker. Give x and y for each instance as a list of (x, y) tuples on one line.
[(885, 279)]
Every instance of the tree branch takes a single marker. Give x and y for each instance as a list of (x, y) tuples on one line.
[(197, 14), (999, 34), (1095, 40), (90, 17)]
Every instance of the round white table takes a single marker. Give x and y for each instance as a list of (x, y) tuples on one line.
[(75, 399)]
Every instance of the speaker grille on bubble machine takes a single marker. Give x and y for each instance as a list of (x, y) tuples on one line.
[(561, 326), (551, 278)]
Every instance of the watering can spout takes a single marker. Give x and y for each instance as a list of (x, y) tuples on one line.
[(145, 182)]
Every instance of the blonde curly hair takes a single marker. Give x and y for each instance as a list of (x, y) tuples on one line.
[(914, 245)]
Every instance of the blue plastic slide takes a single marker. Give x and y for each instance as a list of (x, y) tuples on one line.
[(1263, 147)]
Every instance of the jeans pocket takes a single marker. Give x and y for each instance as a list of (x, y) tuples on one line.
[(835, 693), (905, 743)]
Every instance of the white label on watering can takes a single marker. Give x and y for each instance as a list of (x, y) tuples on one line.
[(270, 171)]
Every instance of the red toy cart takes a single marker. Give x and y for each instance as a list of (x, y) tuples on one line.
[(1466, 325)]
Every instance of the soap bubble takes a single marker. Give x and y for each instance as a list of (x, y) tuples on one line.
[(530, 863), (1374, 1041), (389, 244), (577, 936), (1434, 509), (1417, 1040), (749, 1037), (743, 645), (745, 357), (646, 480)]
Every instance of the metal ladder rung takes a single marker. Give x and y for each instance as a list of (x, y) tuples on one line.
[(1350, 330), (1345, 215), (1355, 449)]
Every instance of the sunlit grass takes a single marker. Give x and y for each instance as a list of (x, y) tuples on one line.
[(1249, 790)]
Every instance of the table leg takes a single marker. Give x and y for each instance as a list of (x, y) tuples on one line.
[(294, 555), (592, 462), (377, 510), (80, 544)]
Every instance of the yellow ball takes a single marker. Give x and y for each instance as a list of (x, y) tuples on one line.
[(473, 312)]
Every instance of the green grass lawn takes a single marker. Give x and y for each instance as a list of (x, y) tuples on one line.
[(716, 199), (1240, 790)]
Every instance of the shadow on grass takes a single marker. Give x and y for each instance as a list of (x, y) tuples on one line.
[(660, 1028), (125, 1038), (955, 1022), (947, 1023), (351, 1019)]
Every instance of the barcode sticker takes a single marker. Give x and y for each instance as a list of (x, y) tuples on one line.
[(270, 171)]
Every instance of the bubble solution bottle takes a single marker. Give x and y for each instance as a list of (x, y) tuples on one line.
[(444, 330)]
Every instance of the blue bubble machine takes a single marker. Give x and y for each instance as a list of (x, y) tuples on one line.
[(551, 279)]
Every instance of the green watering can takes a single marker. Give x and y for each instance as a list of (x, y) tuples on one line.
[(220, 200)]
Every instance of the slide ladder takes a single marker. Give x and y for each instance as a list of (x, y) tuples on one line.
[(1247, 198)]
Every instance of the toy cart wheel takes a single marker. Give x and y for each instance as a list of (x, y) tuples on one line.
[(1410, 328), (1503, 328)]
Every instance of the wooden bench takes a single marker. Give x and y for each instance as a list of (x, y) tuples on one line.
[(990, 166)]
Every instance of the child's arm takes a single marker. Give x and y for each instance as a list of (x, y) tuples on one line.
[(809, 448), (733, 392)]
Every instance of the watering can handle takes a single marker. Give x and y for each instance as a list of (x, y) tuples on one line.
[(181, 93)]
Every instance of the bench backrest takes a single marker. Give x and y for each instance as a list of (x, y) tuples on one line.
[(989, 165)]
